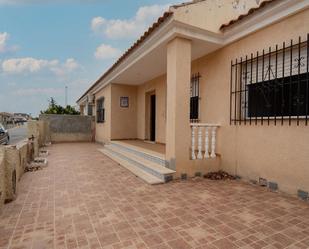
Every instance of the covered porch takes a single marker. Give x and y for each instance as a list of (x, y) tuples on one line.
[(151, 100)]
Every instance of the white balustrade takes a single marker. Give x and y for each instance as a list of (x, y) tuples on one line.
[(193, 142), (199, 143), (206, 133), (213, 142), (206, 155)]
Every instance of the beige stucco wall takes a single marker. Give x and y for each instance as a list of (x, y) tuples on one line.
[(157, 86), (123, 119), (131, 122), (210, 15), (277, 153), (103, 130)]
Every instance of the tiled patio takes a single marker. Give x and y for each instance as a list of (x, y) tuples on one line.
[(85, 200)]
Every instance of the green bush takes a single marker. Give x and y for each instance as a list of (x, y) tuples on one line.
[(54, 108)]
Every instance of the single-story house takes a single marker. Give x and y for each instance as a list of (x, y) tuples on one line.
[(6, 118), (211, 85)]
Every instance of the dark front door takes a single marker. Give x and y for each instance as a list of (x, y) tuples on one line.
[(153, 118)]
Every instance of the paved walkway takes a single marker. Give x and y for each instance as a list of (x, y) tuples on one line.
[(85, 200)]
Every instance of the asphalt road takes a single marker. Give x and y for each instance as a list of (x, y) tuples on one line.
[(18, 134)]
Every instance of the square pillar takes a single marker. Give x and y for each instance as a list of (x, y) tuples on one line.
[(82, 110), (178, 104)]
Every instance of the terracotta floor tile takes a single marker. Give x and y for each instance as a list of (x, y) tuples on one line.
[(127, 234), (282, 239), (168, 234), (108, 239), (179, 244), (152, 240), (85, 200), (224, 244), (173, 222)]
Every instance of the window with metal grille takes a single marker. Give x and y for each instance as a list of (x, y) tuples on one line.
[(100, 111), (89, 110), (194, 97), (272, 86)]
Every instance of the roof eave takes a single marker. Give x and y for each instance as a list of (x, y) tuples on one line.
[(167, 15), (249, 13)]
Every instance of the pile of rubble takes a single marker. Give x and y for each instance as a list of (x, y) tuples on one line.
[(32, 168), (219, 175), (39, 162)]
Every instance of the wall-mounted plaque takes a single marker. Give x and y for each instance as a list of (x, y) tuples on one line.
[(124, 102)]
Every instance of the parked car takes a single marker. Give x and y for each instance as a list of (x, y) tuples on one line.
[(4, 135)]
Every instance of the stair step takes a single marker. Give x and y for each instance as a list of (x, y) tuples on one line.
[(143, 163), (147, 177), (146, 154)]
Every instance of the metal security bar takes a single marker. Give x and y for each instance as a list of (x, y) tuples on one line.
[(272, 86), (194, 98), (100, 111)]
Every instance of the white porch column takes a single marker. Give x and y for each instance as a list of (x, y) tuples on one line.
[(178, 131)]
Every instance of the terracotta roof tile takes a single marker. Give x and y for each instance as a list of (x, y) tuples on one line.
[(250, 12), (150, 30)]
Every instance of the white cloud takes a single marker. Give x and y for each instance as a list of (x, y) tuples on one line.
[(4, 37), (32, 65), (38, 91), (69, 66), (96, 23), (21, 65), (105, 52), (128, 28)]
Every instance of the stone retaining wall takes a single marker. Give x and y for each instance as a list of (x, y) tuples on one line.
[(40, 134), (13, 161)]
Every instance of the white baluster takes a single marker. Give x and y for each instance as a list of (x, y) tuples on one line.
[(213, 142), (199, 145), (206, 142), (193, 143)]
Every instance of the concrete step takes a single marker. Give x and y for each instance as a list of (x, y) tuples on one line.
[(141, 152), (150, 162), (117, 157), (145, 162)]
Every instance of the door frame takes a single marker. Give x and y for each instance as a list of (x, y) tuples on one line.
[(148, 115), (153, 119)]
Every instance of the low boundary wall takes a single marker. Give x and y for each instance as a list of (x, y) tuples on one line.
[(68, 128), (13, 161)]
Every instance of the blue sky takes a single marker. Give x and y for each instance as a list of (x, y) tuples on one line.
[(46, 45)]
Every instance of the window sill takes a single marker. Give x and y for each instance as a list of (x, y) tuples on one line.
[(277, 118)]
